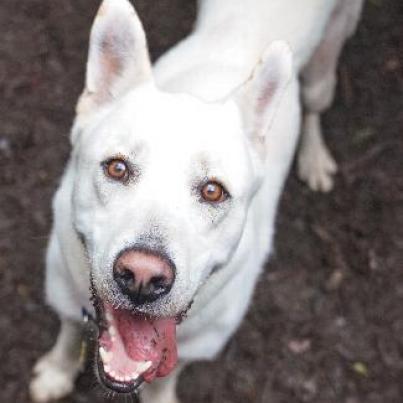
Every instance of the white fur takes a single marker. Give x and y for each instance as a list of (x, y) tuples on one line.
[(56, 371), (316, 166), (315, 163), (203, 113)]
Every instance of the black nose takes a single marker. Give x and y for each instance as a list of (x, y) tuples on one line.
[(143, 276)]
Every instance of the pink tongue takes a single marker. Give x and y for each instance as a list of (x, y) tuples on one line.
[(148, 339)]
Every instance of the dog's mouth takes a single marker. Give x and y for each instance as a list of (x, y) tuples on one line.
[(133, 348)]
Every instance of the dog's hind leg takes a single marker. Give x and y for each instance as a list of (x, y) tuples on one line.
[(56, 371), (316, 166)]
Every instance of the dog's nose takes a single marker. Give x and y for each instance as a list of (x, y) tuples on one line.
[(143, 276)]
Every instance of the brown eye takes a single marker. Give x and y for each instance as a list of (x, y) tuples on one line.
[(213, 192), (117, 169)]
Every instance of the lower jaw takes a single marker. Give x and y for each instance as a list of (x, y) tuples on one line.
[(115, 386)]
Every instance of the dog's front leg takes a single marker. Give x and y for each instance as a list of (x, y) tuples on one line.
[(55, 372), (162, 390)]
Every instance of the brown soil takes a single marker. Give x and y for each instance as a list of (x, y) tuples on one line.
[(326, 324)]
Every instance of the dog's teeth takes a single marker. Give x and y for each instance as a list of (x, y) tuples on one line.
[(107, 369), (133, 376), (112, 331), (113, 374), (108, 317), (143, 366), (102, 353), (106, 356)]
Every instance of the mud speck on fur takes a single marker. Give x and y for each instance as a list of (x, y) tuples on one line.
[(357, 229)]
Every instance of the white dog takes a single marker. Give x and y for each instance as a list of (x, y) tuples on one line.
[(165, 213)]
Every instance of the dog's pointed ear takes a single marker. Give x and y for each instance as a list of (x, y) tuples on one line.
[(118, 58), (259, 97)]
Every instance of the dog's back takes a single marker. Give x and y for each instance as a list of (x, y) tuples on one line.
[(230, 37)]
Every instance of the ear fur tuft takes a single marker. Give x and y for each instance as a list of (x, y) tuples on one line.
[(261, 94)]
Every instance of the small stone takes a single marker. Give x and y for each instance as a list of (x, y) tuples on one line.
[(361, 369), (392, 64), (23, 290), (334, 281), (299, 346), (5, 147)]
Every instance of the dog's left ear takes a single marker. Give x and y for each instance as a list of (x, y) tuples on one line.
[(118, 58), (259, 97)]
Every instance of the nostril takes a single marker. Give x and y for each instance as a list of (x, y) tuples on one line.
[(126, 275), (158, 285), (125, 278)]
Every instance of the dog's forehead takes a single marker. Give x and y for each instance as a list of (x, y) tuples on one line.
[(151, 118)]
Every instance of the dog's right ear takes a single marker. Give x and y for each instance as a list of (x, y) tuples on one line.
[(118, 58)]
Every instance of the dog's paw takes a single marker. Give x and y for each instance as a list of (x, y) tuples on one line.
[(316, 167), (51, 382)]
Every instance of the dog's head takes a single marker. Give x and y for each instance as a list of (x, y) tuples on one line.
[(162, 187)]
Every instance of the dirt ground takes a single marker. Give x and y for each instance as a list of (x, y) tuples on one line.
[(326, 323)]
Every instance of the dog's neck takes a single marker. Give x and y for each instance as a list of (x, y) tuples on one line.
[(216, 58)]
